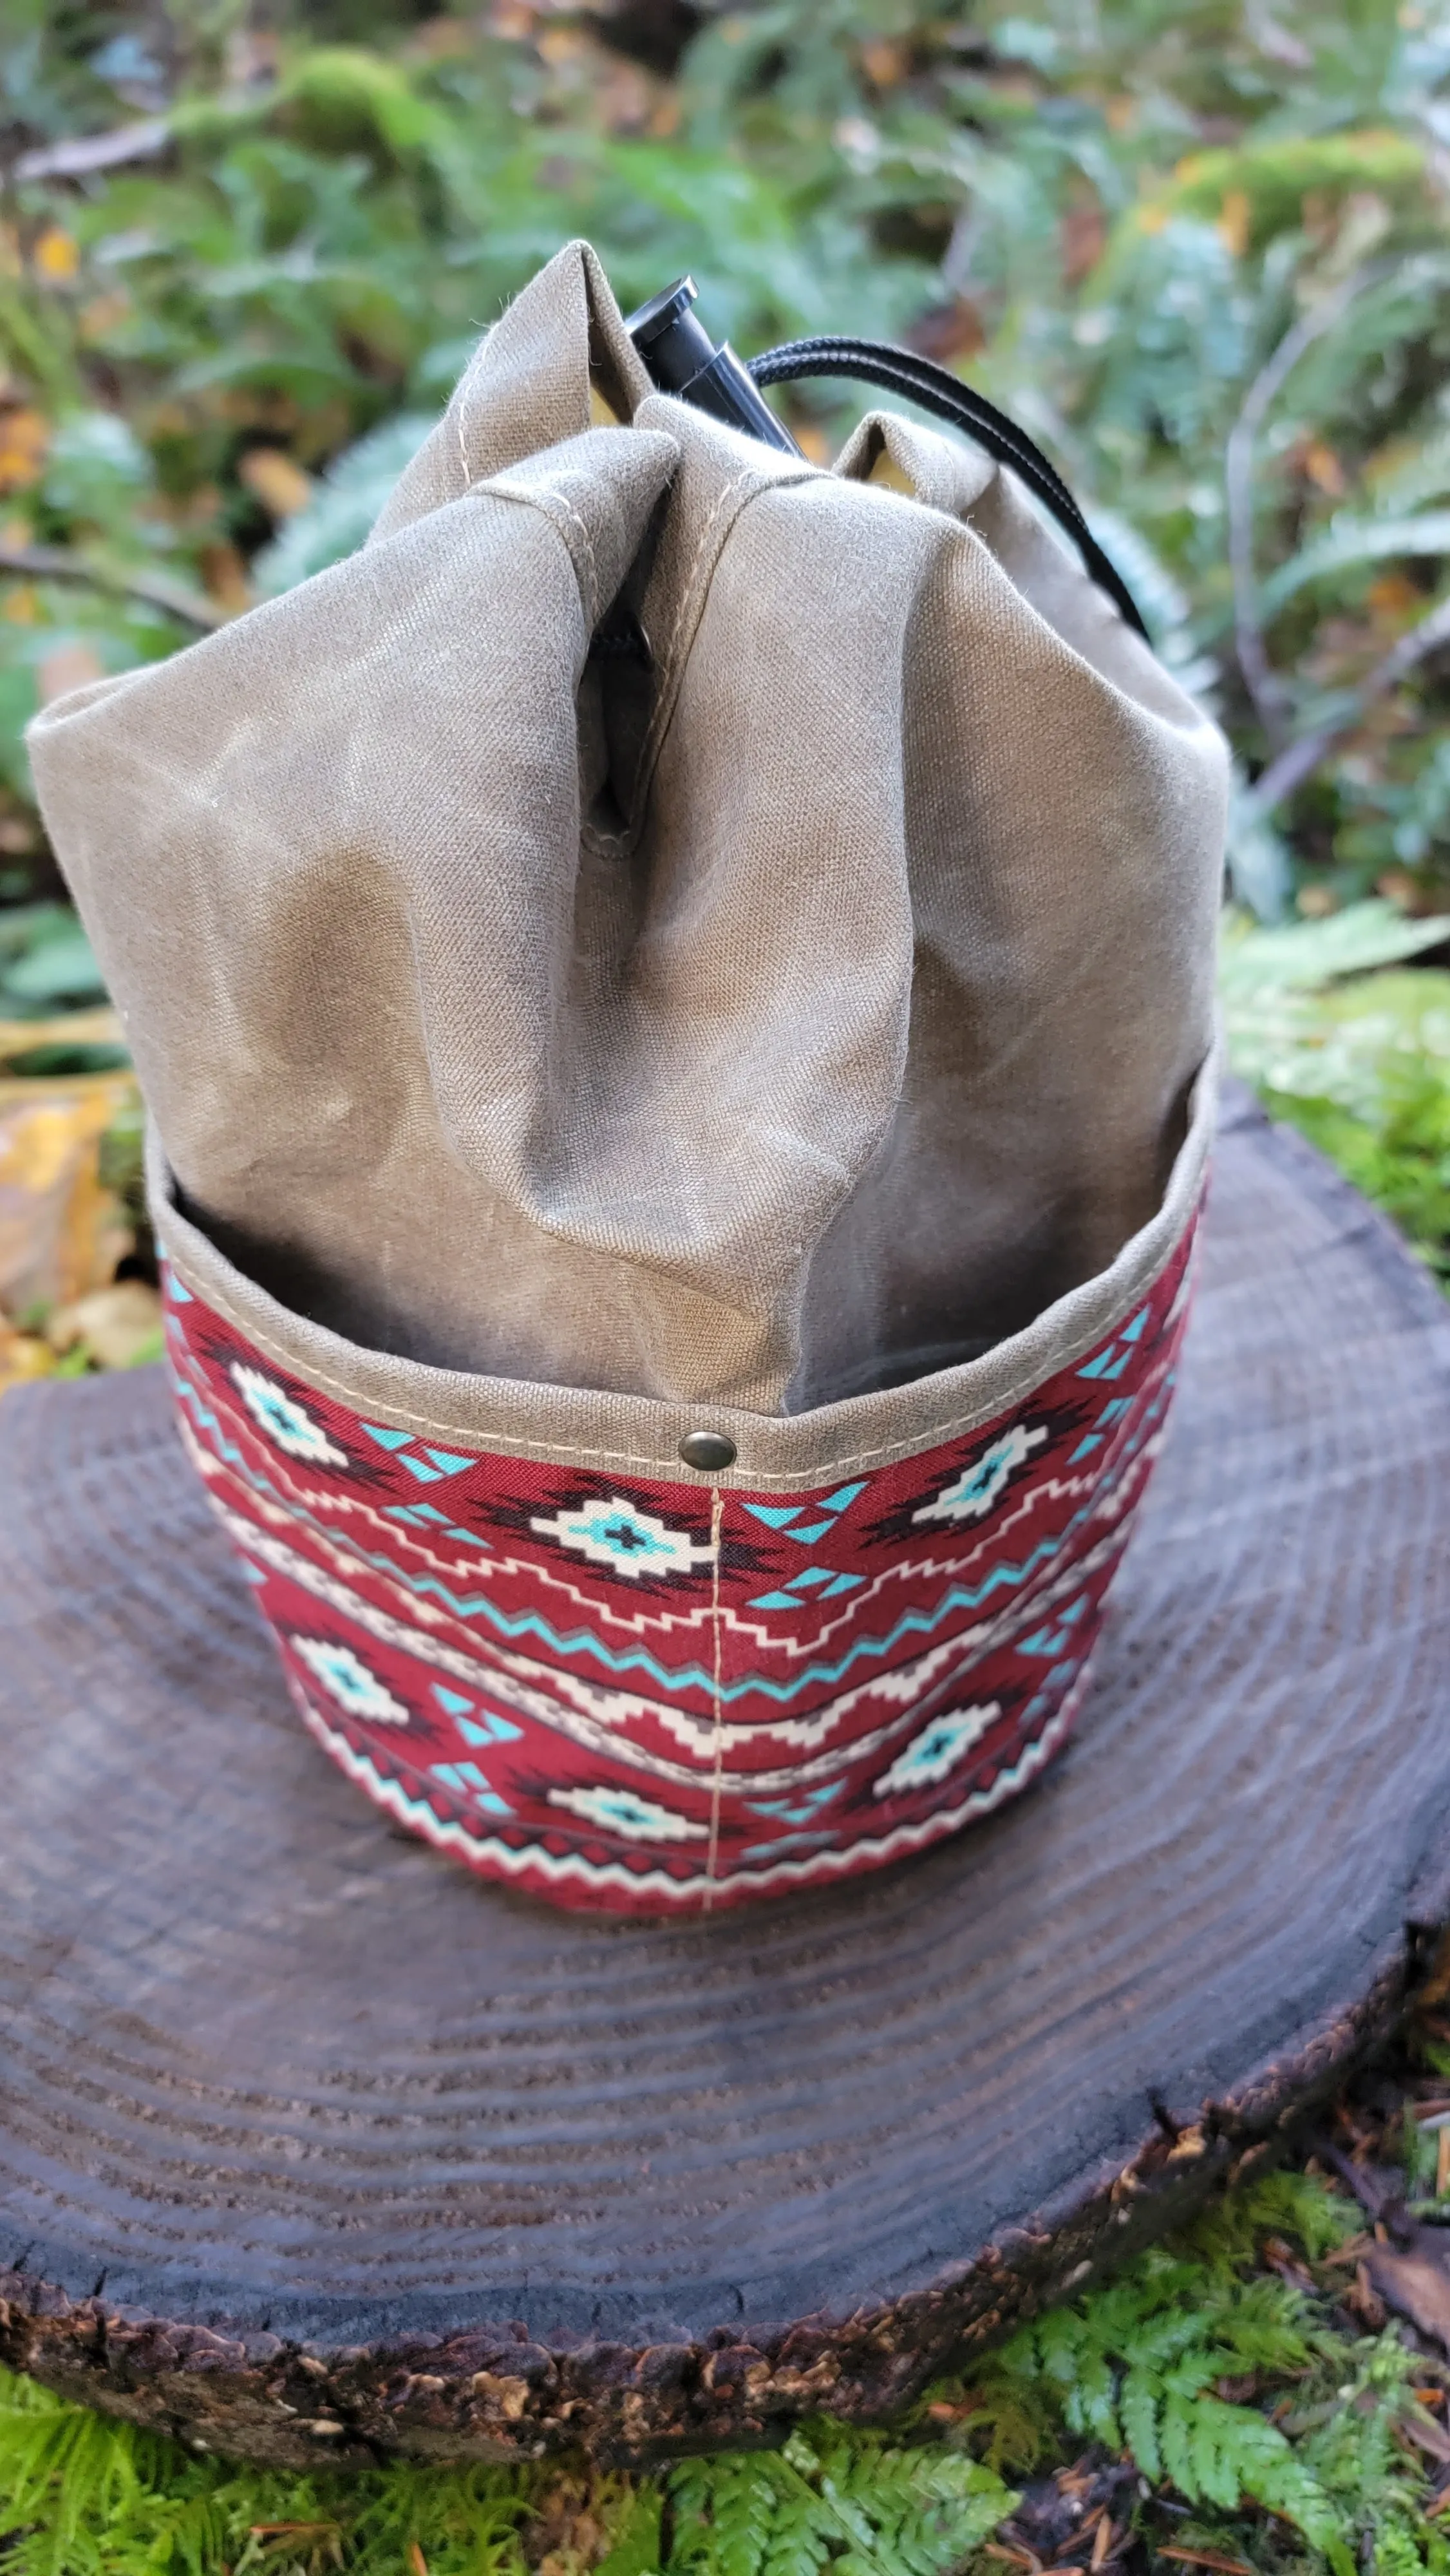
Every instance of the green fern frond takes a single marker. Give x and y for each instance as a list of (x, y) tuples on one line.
[(853, 2502), (1139, 2408), (1007, 2418), (1137, 2365), (635, 2544), (1283, 2203), (728, 2513)]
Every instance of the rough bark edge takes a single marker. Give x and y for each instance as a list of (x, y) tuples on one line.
[(492, 2394)]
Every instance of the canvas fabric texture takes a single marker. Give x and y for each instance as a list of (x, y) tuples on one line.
[(667, 938), (813, 1007)]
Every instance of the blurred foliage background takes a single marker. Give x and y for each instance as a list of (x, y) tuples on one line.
[(1197, 246)]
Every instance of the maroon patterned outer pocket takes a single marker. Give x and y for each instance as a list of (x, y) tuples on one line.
[(649, 1694)]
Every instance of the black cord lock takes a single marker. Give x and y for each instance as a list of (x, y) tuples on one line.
[(681, 358)]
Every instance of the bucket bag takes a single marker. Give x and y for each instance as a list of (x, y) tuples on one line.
[(674, 995)]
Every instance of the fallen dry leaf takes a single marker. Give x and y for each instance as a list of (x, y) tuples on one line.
[(1413, 2278), (61, 1229), (24, 438), (812, 441), (225, 577), (276, 480), (20, 1038), (1326, 473), (56, 255), (1417, 2427), (103, 314), (624, 99), (1362, 2302), (118, 1325), (948, 331), (1235, 222), (1393, 596), (1083, 236), (1282, 2259), (884, 62), (22, 1356), (1421, 897)]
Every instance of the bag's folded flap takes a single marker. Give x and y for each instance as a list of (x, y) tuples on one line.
[(528, 385)]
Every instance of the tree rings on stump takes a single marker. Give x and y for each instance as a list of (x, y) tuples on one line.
[(312, 2146)]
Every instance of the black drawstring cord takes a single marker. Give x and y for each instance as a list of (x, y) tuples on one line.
[(901, 372)]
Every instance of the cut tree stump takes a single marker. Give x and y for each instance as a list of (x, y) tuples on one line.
[(314, 2148)]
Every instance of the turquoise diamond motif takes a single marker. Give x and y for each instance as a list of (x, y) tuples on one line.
[(782, 1516), (467, 1781), (497, 1730), (1055, 1637)]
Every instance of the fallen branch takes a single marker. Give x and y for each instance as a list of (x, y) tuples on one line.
[(1208, 2558), (63, 1028), (1301, 758), (153, 590), (80, 154)]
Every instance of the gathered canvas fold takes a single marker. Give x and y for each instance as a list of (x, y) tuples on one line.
[(663, 918)]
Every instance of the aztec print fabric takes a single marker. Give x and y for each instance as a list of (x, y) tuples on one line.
[(645, 1695)]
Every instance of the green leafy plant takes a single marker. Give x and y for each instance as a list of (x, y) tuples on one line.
[(45, 961), (1139, 2367), (1199, 250), (849, 2501), (1231, 2392), (1345, 1039)]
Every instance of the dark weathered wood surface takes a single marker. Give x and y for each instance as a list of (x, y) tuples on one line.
[(311, 2146)]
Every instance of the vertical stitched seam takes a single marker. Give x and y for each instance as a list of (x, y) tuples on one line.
[(594, 604), (667, 676), (717, 1517), (687, 588)]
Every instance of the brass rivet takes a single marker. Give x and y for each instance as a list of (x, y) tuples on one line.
[(708, 1451)]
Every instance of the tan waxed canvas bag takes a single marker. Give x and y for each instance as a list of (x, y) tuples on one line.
[(667, 940)]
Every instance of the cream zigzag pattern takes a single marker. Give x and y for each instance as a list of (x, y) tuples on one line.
[(600, 1739), (1107, 1491), (426, 1614), (556, 1692), (431, 1616), (303, 1501), (304, 1498), (501, 1860)]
